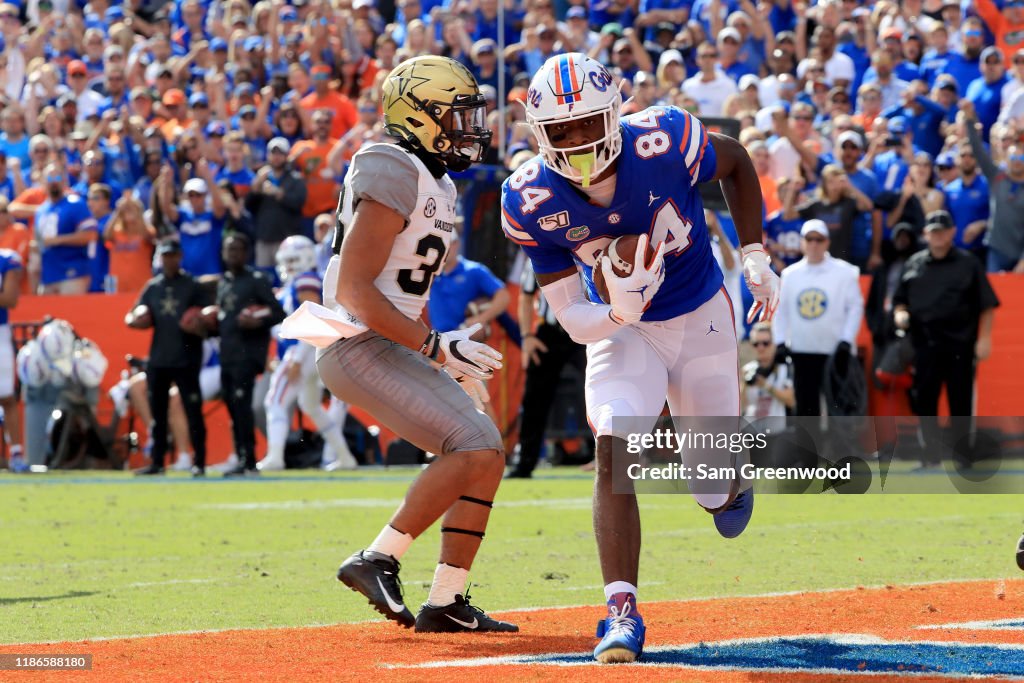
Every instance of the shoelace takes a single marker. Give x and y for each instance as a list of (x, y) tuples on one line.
[(620, 621), (737, 503), (391, 577), (472, 608)]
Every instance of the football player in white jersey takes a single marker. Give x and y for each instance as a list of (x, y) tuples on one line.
[(295, 379), (396, 217)]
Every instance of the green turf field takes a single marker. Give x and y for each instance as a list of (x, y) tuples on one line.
[(99, 554)]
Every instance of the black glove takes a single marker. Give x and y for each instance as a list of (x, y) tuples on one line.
[(841, 358), (781, 354)]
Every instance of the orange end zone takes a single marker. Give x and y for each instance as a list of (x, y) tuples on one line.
[(383, 651)]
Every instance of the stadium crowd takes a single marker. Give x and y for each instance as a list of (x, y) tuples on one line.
[(123, 126)]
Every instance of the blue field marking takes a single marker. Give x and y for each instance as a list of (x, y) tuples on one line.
[(826, 654)]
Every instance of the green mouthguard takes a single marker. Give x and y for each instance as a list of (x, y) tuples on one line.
[(583, 163)]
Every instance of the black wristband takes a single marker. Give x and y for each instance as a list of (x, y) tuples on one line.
[(431, 345)]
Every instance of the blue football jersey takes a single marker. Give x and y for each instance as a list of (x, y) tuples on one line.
[(288, 295), (9, 262), (665, 154)]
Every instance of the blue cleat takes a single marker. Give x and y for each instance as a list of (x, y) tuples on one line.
[(731, 521), (621, 634)]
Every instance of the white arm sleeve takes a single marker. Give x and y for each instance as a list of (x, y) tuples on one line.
[(585, 322), (854, 312)]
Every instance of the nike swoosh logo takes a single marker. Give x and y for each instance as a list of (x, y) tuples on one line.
[(396, 607), (467, 624)]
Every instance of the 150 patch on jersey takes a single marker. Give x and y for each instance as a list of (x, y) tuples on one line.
[(555, 221)]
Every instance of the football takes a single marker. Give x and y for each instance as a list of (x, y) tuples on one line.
[(192, 321), (141, 316), (622, 261), (209, 315), (255, 312)]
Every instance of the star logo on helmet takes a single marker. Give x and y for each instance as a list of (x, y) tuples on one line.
[(404, 85)]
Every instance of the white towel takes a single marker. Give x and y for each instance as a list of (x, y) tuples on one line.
[(320, 326)]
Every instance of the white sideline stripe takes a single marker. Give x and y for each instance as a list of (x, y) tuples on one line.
[(379, 502), (995, 625), (517, 610), (844, 639)]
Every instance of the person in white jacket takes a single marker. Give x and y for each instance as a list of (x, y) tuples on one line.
[(819, 315)]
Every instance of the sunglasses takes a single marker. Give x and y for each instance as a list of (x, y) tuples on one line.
[(803, 118), (852, 146), (760, 344), (709, 55), (943, 167), (54, 179), (840, 100), (195, 194), (815, 239), (248, 117)]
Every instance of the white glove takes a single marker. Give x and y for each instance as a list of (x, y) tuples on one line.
[(461, 353), (762, 282), (473, 387), (632, 295)]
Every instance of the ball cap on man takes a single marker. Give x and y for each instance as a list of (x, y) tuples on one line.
[(938, 220), (168, 246), (814, 226), (197, 185), (852, 137)]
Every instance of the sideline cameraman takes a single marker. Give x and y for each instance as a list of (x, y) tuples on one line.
[(769, 382)]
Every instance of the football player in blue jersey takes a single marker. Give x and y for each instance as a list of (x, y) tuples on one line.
[(668, 331)]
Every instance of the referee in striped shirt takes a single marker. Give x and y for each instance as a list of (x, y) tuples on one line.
[(545, 351)]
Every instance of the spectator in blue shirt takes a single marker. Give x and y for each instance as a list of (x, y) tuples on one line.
[(10, 185), (892, 164), (964, 66), (13, 139), (867, 224), (967, 199), (986, 92), (729, 41), (98, 202), (200, 226), (64, 228), (94, 171), (924, 118), (460, 283)]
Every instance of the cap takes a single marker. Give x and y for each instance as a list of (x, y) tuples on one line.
[(946, 82), (66, 99), (216, 128), (252, 43), (278, 144), (945, 160), (851, 136), (359, 4), (816, 226), (113, 14), (730, 32), (892, 32), (168, 246), (938, 220), (77, 66), (665, 26), (141, 91), (173, 97), (576, 12), (670, 56), (194, 185), (902, 226), (287, 13), (748, 80), (321, 72), (483, 46), (991, 51), (612, 27), (198, 99), (244, 90), (489, 93), (218, 44), (897, 125), (246, 109)]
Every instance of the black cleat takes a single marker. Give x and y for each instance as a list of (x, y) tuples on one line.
[(198, 472), (458, 617), (149, 471), (376, 577), (1020, 553)]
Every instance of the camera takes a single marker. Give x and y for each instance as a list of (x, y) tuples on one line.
[(751, 375)]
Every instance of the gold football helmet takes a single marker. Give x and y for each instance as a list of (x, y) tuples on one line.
[(434, 103)]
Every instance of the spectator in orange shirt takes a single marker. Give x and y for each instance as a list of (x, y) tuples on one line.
[(323, 97), (762, 159), (129, 238), (309, 158), (369, 129), (177, 114), (869, 106), (14, 236), (1006, 24)]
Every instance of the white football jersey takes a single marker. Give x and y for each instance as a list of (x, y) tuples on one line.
[(396, 178)]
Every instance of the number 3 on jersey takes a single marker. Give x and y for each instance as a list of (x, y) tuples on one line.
[(417, 282), (532, 196)]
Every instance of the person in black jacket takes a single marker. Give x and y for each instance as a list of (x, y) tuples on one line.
[(248, 309), (275, 201), (175, 356)]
